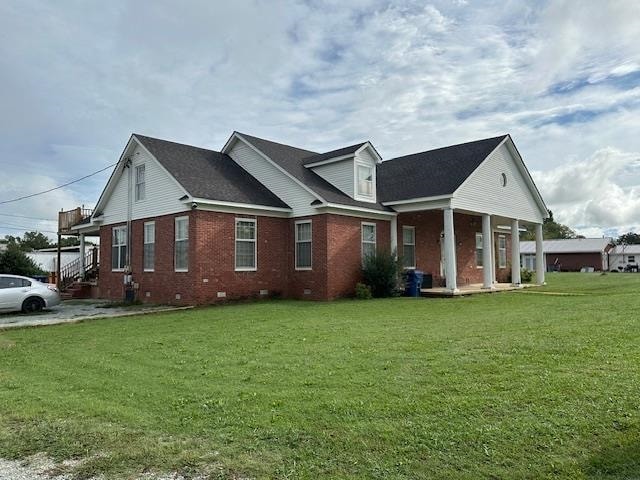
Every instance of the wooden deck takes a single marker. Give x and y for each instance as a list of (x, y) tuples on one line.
[(471, 289)]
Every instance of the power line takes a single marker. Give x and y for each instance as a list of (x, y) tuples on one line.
[(58, 187), (27, 229), (30, 218)]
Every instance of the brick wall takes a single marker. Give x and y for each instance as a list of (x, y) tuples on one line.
[(215, 251), (161, 285), (336, 257), (345, 251), (429, 226)]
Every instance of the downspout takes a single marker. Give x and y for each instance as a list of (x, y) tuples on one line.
[(129, 213)]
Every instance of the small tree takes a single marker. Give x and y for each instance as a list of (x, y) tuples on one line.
[(381, 272), (16, 262)]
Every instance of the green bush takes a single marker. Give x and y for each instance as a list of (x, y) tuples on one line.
[(381, 272), (16, 262), (363, 292), (526, 275)]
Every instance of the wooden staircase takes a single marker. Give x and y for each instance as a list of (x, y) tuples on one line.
[(72, 285)]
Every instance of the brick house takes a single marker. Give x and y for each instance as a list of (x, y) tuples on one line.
[(192, 226)]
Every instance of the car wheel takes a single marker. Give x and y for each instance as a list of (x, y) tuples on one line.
[(33, 304)]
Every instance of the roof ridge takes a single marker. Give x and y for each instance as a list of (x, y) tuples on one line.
[(174, 143), (449, 146), (276, 143)]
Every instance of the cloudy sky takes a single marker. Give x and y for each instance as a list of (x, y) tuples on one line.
[(562, 77)]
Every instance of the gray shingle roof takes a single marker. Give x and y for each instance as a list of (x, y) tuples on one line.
[(291, 159), (432, 173), (350, 150), (568, 245), (209, 174)]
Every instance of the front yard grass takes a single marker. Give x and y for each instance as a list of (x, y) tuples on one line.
[(510, 385)]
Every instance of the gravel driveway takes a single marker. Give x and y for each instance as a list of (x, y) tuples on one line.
[(71, 311)]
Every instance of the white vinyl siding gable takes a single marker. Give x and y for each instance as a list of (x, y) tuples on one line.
[(338, 174), (287, 189), (484, 192), (161, 192)]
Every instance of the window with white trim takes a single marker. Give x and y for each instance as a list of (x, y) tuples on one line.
[(502, 251), (479, 249), (246, 244), (365, 180), (181, 244), (368, 239), (118, 248), (140, 183), (303, 245), (149, 246), (409, 247), (631, 258)]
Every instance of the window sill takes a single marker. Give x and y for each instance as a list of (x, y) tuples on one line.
[(148, 271), (181, 270), (246, 269), (117, 269), (303, 269)]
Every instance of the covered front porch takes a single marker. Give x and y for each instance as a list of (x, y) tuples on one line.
[(463, 251), (472, 289)]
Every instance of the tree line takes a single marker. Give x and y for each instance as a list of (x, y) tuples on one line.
[(552, 230)]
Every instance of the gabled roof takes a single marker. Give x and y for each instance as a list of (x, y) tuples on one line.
[(340, 152), (569, 245), (625, 249), (291, 158), (434, 172), (209, 174)]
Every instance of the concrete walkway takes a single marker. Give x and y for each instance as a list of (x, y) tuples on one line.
[(71, 311)]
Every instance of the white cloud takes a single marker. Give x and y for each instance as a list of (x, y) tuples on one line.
[(409, 76)]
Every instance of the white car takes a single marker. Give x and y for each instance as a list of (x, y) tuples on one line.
[(26, 294)]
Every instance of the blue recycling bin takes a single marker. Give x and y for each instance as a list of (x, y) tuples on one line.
[(413, 283)]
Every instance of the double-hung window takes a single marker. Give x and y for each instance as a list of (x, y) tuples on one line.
[(181, 254), (409, 247), (502, 251), (149, 246), (246, 244), (303, 245), (479, 249), (368, 239), (365, 180), (140, 183), (118, 248)]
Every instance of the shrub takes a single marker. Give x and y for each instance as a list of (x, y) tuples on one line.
[(381, 272), (363, 292), (16, 262), (526, 275)]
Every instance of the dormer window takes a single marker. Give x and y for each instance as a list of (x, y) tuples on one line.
[(365, 180)]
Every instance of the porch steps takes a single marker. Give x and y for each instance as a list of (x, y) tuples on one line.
[(80, 290)]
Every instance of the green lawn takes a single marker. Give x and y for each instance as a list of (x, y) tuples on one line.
[(510, 385)]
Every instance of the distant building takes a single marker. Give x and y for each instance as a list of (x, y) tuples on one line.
[(624, 256), (569, 255)]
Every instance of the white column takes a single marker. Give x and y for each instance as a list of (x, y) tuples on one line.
[(540, 263), (515, 254), (487, 253), (82, 254), (394, 236), (450, 266)]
